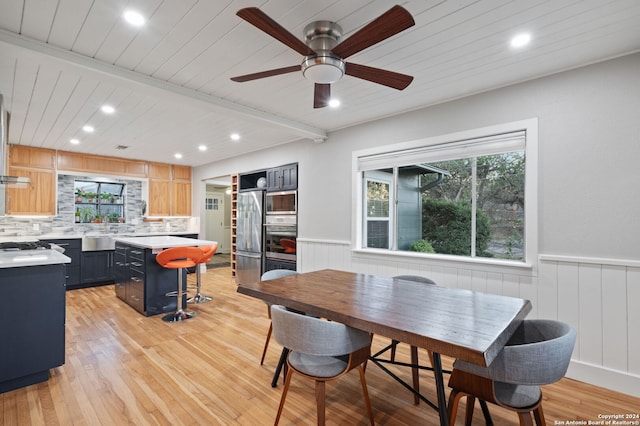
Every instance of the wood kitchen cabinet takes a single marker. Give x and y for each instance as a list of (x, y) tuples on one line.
[(181, 198), (77, 162), (38, 198), (159, 197), (169, 190), (28, 156)]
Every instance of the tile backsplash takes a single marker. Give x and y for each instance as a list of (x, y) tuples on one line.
[(64, 221)]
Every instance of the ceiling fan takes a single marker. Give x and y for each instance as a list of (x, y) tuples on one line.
[(325, 53)]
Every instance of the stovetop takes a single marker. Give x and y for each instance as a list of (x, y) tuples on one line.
[(24, 245)]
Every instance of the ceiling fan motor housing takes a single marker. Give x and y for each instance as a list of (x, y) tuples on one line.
[(324, 67)]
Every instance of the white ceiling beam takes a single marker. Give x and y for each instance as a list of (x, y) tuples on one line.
[(76, 59)]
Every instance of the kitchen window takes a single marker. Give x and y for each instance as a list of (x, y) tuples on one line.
[(458, 197), (99, 202)]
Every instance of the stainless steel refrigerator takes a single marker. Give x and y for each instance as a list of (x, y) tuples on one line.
[(249, 255)]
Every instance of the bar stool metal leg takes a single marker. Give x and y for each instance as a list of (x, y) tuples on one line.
[(199, 297), (179, 314)]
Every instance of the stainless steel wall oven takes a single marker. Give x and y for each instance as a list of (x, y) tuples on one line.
[(280, 234), (281, 203)]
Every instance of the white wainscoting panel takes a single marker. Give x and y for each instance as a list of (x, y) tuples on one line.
[(599, 297)]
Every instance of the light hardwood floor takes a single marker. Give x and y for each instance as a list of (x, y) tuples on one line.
[(123, 368)]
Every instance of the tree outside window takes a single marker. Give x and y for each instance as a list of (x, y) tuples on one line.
[(472, 205)]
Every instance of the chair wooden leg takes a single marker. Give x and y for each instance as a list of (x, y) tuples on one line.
[(468, 414), (415, 374), (365, 392), (525, 418), (266, 344), (284, 395), (539, 415), (320, 401), (452, 407)]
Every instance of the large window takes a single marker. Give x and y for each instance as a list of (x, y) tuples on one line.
[(463, 198)]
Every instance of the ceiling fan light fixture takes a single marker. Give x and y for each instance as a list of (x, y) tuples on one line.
[(323, 69)]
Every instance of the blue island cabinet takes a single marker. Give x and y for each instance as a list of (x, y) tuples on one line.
[(143, 284), (33, 324), (140, 281)]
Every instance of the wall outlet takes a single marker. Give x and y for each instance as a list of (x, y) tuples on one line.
[(36, 226)]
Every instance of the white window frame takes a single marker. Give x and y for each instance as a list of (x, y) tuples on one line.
[(390, 218), (528, 126)]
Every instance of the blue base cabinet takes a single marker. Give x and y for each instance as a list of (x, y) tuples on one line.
[(143, 284), (33, 318)]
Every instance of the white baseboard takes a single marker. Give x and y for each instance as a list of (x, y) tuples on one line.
[(611, 379)]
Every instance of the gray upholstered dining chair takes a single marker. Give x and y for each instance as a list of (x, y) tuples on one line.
[(537, 354), (320, 350), (272, 275), (413, 349)]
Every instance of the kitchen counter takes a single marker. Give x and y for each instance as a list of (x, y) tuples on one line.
[(74, 235), (15, 259), (161, 242)]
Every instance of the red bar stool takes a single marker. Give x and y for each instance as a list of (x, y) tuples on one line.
[(207, 253), (179, 258)]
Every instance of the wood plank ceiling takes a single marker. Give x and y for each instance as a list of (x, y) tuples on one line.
[(170, 79)]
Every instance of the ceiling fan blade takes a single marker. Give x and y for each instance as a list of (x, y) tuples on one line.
[(263, 74), (321, 95), (376, 75), (260, 20), (391, 22)]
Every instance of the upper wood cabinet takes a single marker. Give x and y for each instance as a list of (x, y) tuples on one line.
[(181, 173), (73, 161), (181, 198), (169, 190), (27, 156), (38, 198), (160, 171), (159, 197), (169, 184)]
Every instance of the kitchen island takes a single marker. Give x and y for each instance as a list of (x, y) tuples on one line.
[(32, 284), (140, 281)]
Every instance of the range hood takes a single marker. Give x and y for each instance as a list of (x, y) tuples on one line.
[(7, 181)]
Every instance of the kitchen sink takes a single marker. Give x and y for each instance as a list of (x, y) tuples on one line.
[(98, 242)]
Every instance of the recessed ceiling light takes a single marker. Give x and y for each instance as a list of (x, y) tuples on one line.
[(202, 148), (235, 137), (87, 128), (74, 141), (107, 109), (334, 103), (178, 156), (134, 18), (521, 40)]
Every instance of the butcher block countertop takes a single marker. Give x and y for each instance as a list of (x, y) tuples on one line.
[(15, 259)]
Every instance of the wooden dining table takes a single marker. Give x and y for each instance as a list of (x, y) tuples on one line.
[(463, 324)]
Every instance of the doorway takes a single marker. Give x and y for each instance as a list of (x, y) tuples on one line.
[(217, 213)]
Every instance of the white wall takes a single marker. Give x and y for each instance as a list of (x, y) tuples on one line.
[(589, 145)]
